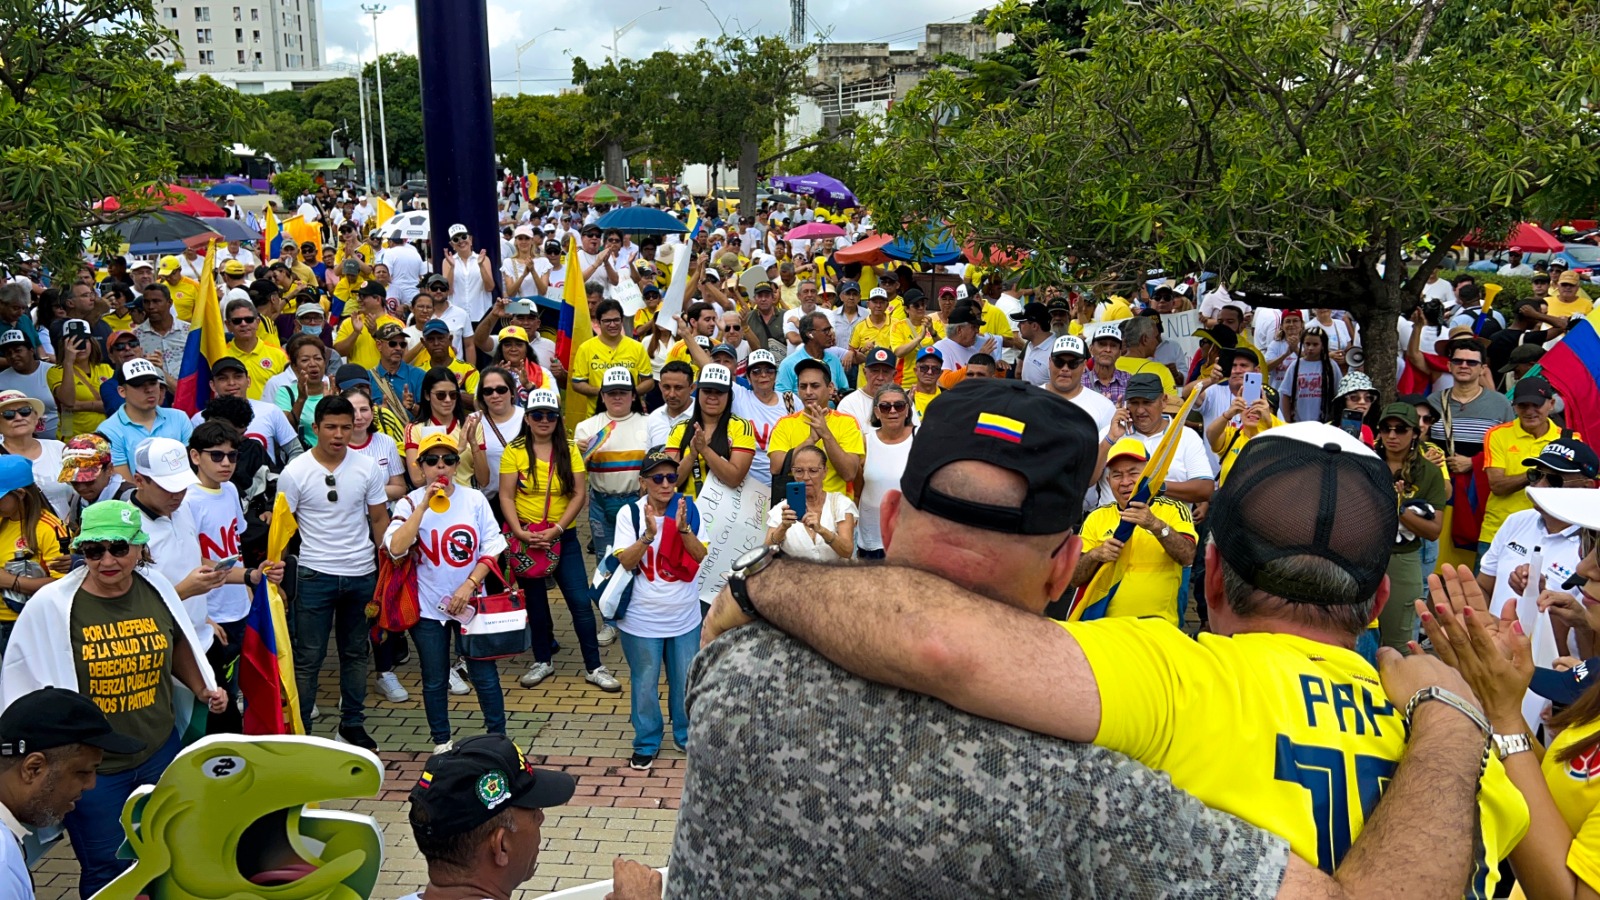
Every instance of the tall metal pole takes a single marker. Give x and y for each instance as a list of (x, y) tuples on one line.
[(526, 46), (617, 33), (374, 11), (366, 135)]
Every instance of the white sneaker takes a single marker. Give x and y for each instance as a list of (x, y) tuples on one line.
[(536, 673), (606, 636), (458, 680), (447, 745), (393, 691), (602, 678), (315, 713)]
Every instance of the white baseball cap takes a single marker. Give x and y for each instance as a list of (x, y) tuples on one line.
[(1106, 331), (877, 294), (134, 369), (543, 398), (166, 462), (457, 230), (12, 336), (1069, 343), (616, 377), (715, 376), (961, 292), (760, 358), (237, 294)]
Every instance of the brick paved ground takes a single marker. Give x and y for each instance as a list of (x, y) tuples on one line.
[(564, 723)]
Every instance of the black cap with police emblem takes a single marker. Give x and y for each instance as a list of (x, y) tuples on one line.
[(472, 782)]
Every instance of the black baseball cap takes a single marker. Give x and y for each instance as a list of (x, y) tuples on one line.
[(879, 356), (1059, 304), (372, 289), (1567, 455), (470, 783), (56, 717), (962, 315), (1533, 390), (1035, 312), (810, 363), (1564, 688), (228, 364), (1145, 386), (1014, 425), (350, 375), (1307, 490), (655, 459)]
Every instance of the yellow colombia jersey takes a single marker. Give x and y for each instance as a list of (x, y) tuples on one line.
[(1153, 584), (1575, 786), (1294, 736)]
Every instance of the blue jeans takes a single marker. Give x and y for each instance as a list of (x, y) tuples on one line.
[(603, 509), (573, 580), (337, 604), (433, 651), (646, 657), (95, 824)]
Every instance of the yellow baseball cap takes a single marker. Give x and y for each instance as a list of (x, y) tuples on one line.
[(513, 333), (438, 439), (169, 264), (1127, 447)]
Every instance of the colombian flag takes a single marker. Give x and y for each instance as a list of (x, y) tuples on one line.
[(694, 224), (574, 329), (384, 212), (1571, 367), (207, 342), (272, 235), (266, 660)]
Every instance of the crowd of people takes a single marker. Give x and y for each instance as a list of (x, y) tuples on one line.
[(989, 442)]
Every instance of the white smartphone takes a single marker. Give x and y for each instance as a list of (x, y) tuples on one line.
[(1251, 392), (464, 617), (226, 562)]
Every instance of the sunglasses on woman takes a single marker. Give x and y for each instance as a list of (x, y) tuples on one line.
[(543, 415), (1394, 429), (93, 550), (17, 412), (433, 459), (495, 390), (664, 477), (443, 395), (892, 406)]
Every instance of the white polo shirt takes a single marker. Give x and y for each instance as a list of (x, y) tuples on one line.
[(15, 881), (1511, 547), (176, 550)]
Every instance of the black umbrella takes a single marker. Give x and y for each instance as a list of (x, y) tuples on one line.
[(160, 226)]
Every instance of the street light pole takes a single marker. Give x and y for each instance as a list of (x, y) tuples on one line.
[(374, 11), (524, 47), (617, 33)]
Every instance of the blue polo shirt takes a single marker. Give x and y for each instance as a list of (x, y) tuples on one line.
[(111, 398), (786, 379), (408, 376), (125, 435)]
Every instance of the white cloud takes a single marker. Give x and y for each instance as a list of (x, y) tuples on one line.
[(588, 26)]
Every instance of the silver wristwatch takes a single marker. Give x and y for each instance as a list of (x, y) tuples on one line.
[(1166, 531), (1434, 692), (1507, 744)]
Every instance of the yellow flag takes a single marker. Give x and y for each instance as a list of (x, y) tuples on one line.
[(573, 332)]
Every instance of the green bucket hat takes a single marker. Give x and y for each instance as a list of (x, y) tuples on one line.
[(111, 520)]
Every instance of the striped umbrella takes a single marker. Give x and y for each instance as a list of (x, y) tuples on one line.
[(602, 193)]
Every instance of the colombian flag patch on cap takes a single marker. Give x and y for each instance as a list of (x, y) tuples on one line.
[(426, 780), (1002, 427)]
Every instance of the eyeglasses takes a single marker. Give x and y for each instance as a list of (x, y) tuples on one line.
[(1394, 429), (124, 347), (1463, 361), (395, 343), (93, 550), (242, 320), (610, 321), (433, 459), (22, 413), (221, 456), (892, 406), (930, 368), (807, 473), (333, 495), (496, 390), (733, 327), (443, 395), (1554, 479), (1065, 361), (664, 478), (543, 415)]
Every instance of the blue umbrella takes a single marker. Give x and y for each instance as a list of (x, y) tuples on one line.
[(231, 229), (230, 189), (638, 219), (824, 189), (937, 248)]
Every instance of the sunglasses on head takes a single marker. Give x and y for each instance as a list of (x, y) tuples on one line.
[(664, 477), (221, 456), (543, 415), (433, 459), (93, 550)]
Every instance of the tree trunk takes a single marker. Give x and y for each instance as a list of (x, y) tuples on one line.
[(749, 154), (1380, 336), (615, 175)]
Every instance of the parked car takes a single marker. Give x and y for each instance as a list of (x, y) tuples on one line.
[(1579, 257)]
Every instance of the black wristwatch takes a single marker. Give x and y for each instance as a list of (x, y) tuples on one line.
[(747, 567)]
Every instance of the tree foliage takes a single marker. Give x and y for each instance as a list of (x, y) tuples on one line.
[(87, 113), (338, 104), (1290, 146), (548, 131), (290, 184), (289, 139)]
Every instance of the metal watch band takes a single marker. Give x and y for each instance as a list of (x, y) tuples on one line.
[(1507, 744), (1434, 692)]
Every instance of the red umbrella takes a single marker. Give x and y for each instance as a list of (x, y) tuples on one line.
[(868, 251), (994, 256), (1527, 237), (603, 193), (183, 200)]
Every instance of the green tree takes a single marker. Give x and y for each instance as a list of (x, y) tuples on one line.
[(548, 131), (402, 106), (628, 100), (291, 140), (1295, 148), (289, 184), (87, 113)]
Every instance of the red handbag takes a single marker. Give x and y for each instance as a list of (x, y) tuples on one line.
[(499, 626), (529, 562)]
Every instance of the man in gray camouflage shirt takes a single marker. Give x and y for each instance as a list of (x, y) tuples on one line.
[(805, 781)]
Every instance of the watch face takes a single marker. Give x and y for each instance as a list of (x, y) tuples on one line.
[(751, 557)]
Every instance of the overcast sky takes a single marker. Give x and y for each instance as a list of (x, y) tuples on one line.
[(588, 24)]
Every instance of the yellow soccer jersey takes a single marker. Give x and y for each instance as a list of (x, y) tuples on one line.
[(741, 439), (1153, 584), (1294, 736), (1575, 786)]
